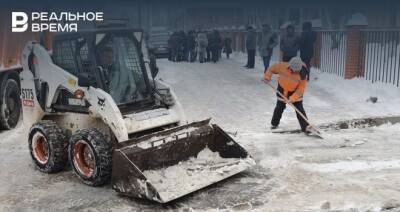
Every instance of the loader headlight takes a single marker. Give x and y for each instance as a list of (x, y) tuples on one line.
[(79, 94)]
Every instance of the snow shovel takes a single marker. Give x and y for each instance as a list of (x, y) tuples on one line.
[(315, 130), (169, 164)]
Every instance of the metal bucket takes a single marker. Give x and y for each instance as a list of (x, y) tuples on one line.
[(170, 164)]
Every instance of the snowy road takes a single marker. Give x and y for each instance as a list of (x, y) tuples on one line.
[(354, 168)]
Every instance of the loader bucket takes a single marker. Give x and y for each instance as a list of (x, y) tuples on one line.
[(172, 163)]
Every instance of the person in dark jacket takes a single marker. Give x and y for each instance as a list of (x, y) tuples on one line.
[(191, 46), (173, 43), (307, 40), (251, 40), (214, 44), (182, 46), (227, 49), (290, 44), (266, 43)]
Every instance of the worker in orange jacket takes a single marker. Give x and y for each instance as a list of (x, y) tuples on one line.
[(291, 83)]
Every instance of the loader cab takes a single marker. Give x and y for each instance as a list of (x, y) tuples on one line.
[(110, 59)]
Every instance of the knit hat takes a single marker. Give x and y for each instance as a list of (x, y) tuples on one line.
[(295, 64)]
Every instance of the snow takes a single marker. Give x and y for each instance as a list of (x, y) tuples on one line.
[(197, 172), (353, 166), (353, 169), (357, 19)]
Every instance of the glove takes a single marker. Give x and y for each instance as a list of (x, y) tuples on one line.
[(293, 98), (267, 78)]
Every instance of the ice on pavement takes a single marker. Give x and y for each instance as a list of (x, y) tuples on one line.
[(197, 172)]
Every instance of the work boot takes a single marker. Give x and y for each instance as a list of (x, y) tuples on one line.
[(308, 130)]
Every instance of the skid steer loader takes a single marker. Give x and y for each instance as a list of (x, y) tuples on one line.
[(91, 103)]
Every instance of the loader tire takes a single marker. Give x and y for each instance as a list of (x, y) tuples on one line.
[(10, 104), (90, 155), (48, 145)]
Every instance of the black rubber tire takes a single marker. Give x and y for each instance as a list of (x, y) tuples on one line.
[(9, 117), (57, 144), (102, 149)]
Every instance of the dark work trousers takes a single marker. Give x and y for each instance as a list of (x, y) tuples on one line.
[(251, 56), (208, 50), (280, 107), (215, 54), (266, 61), (307, 61)]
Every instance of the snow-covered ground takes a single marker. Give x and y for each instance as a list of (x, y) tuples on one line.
[(351, 169)]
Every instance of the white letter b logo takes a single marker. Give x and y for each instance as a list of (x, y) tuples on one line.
[(19, 22)]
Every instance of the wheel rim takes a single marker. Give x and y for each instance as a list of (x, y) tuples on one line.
[(84, 159), (40, 148)]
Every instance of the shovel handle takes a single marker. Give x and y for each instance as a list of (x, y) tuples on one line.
[(289, 103)]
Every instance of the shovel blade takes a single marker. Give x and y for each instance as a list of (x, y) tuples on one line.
[(170, 164)]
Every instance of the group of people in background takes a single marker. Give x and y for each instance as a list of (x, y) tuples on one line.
[(290, 44), (205, 45), (208, 46)]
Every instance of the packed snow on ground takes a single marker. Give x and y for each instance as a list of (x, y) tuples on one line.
[(197, 172), (352, 169)]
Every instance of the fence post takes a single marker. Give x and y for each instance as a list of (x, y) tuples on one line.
[(353, 66)]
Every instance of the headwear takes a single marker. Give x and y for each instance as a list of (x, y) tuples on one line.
[(295, 64)]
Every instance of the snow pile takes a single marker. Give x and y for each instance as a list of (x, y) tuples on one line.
[(197, 172), (357, 91)]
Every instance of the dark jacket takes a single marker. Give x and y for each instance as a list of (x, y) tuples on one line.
[(190, 41), (182, 40), (173, 41), (228, 45), (307, 41), (214, 40), (290, 44), (251, 39)]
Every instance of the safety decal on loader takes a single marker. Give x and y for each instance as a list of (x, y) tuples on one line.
[(27, 97)]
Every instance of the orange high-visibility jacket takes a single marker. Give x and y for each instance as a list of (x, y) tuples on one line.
[(289, 80)]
